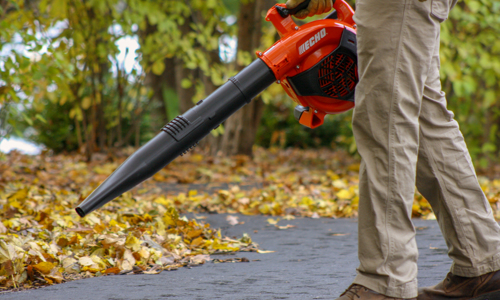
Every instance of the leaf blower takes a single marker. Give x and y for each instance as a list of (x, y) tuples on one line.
[(315, 63)]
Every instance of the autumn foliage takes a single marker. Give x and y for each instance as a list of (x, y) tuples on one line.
[(43, 241)]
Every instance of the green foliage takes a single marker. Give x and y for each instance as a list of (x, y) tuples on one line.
[(62, 79), (58, 133), (23, 70), (187, 31), (470, 72), (280, 128), (64, 63)]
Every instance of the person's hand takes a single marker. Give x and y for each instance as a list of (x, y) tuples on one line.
[(315, 7)]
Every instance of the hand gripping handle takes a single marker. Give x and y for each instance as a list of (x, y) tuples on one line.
[(285, 12)]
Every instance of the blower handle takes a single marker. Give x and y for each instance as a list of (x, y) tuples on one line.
[(342, 8), (285, 12), (344, 11)]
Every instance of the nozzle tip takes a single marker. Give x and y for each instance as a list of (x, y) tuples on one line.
[(80, 212)]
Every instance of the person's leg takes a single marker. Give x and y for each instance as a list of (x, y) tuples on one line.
[(396, 41), (446, 178)]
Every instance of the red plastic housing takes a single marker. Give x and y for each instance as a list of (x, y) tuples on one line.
[(299, 49)]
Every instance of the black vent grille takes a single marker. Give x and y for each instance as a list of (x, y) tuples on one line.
[(337, 75), (175, 126), (189, 149)]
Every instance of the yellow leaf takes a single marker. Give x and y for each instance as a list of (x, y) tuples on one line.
[(273, 221), (98, 261), (171, 217), (416, 209), (264, 209), (307, 201), (196, 242), (344, 194), (16, 204), (347, 211), (19, 195), (161, 200), (194, 233), (44, 267), (133, 243), (160, 227)]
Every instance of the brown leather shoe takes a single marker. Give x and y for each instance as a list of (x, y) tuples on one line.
[(485, 287), (358, 292)]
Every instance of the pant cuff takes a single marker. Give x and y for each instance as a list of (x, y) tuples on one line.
[(488, 266), (380, 285)]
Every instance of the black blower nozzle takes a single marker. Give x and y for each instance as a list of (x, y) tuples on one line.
[(181, 134)]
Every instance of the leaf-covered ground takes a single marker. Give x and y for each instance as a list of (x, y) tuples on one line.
[(43, 241)]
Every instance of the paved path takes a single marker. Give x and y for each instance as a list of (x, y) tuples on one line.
[(315, 260)]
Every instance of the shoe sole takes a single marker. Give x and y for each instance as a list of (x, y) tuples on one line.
[(489, 296)]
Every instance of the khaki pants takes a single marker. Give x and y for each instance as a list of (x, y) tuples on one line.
[(407, 137)]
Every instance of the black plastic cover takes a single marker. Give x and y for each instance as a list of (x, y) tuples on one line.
[(312, 82)]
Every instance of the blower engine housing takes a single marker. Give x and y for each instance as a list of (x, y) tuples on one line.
[(316, 63)]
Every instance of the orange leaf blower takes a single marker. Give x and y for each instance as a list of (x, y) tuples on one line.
[(315, 63)]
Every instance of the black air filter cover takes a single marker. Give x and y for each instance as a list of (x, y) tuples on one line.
[(335, 76)]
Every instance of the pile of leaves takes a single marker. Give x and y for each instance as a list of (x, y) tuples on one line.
[(43, 241)]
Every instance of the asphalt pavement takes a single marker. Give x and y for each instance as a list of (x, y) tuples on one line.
[(316, 259)]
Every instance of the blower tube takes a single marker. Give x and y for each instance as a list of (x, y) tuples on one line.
[(181, 134)]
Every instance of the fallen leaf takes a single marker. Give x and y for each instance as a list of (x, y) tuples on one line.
[(113, 270), (338, 234), (85, 261), (232, 220), (7, 252), (265, 251), (44, 267), (287, 226)]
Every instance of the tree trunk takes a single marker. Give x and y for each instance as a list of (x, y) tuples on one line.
[(241, 128), (185, 95)]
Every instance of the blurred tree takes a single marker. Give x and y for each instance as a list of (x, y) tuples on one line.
[(64, 51), (241, 128), (60, 57)]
